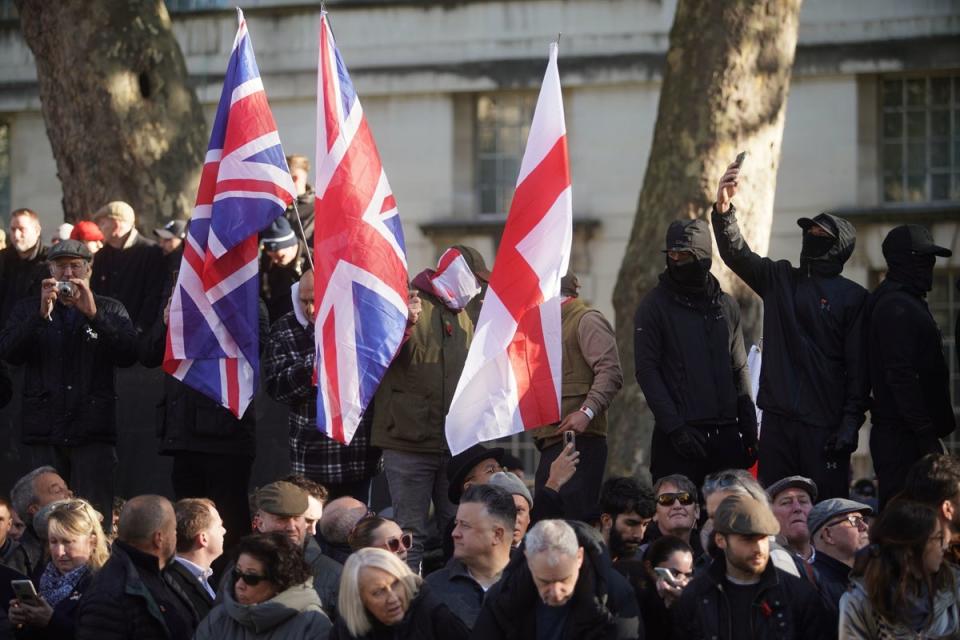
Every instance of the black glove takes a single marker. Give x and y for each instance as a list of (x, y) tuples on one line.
[(747, 426), (841, 443), (689, 442)]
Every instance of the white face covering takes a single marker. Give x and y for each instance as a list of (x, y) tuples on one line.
[(297, 306), (453, 281)]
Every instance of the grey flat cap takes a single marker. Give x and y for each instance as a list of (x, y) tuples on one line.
[(824, 512), (512, 484), (793, 482)]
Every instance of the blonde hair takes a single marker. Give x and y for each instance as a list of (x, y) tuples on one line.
[(76, 517), (350, 606)]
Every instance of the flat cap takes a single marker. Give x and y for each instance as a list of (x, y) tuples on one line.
[(793, 482), (745, 515), (69, 249), (824, 512), (512, 484), (282, 499), (118, 209)]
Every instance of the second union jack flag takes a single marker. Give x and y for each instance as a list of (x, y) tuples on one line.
[(359, 254), (213, 332)]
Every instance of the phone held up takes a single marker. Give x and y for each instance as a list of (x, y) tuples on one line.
[(667, 576), (740, 158), (25, 591)]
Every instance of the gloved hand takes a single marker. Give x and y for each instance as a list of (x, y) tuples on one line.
[(751, 448), (841, 443), (689, 442), (747, 426)]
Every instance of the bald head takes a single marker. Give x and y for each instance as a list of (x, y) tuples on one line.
[(306, 294), (339, 518), (149, 523)]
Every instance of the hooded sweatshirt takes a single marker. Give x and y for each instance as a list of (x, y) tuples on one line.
[(290, 615), (814, 364)]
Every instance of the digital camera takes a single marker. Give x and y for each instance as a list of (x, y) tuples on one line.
[(65, 289)]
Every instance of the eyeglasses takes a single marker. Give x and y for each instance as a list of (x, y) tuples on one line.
[(857, 522), (667, 499), (251, 579), (395, 544)]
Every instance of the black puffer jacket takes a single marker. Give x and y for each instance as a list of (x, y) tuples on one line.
[(785, 608), (68, 389), (131, 599), (814, 366), (908, 372), (427, 618), (603, 605), (689, 356)]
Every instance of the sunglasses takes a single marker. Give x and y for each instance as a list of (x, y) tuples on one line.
[(394, 544), (250, 579), (667, 499)]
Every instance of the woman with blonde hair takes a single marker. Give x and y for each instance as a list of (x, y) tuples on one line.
[(78, 549), (382, 599)]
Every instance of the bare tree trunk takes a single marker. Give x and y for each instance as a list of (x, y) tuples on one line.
[(122, 120), (724, 91)]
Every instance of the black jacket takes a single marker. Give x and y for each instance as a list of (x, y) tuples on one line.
[(786, 607), (6, 385), (20, 278), (189, 586), (130, 598), (135, 275), (814, 366), (305, 205), (833, 579), (602, 606), (187, 420), (427, 618), (63, 623), (689, 357), (908, 371), (68, 389)]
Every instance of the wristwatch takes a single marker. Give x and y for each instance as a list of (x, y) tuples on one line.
[(587, 410)]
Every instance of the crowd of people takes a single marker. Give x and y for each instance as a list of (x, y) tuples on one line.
[(748, 528)]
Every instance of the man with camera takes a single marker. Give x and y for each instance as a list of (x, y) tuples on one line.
[(69, 348)]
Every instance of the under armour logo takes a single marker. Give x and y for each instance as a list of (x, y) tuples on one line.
[(832, 465)]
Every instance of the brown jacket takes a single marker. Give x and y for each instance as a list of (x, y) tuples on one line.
[(591, 368)]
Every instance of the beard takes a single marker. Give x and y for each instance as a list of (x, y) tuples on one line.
[(620, 547)]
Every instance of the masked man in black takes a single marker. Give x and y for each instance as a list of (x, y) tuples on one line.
[(813, 380), (691, 364), (911, 407)]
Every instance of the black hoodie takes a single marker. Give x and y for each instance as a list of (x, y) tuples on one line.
[(814, 365)]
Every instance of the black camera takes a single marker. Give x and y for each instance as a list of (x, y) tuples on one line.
[(65, 289)]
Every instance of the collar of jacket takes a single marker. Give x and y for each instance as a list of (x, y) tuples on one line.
[(708, 297), (133, 585), (131, 238)]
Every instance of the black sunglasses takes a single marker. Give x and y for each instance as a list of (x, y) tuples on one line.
[(667, 499), (251, 579)]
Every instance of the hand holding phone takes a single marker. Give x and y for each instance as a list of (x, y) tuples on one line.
[(667, 576), (25, 592), (570, 437)]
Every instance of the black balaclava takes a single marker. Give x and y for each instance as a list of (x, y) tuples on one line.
[(692, 274), (815, 246), (912, 269)]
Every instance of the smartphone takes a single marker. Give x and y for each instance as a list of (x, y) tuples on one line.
[(667, 576), (740, 158), (570, 437), (25, 591)]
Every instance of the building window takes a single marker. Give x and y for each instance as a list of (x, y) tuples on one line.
[(920, 130), (502, 125)]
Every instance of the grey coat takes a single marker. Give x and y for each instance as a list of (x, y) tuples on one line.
[(294, 614), (859, 621)]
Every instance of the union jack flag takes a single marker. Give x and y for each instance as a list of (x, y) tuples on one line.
[(359, 256), (213, 332)]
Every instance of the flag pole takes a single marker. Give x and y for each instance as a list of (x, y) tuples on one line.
[(303, 234)]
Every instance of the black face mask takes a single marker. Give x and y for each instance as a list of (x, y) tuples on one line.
[(913, 270), (815, 246), (690, 274)]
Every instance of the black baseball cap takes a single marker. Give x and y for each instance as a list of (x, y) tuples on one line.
[(823, 221), (690, 235), (912, 238)]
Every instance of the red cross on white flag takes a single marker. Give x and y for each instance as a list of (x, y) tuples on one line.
[(511, 379)]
